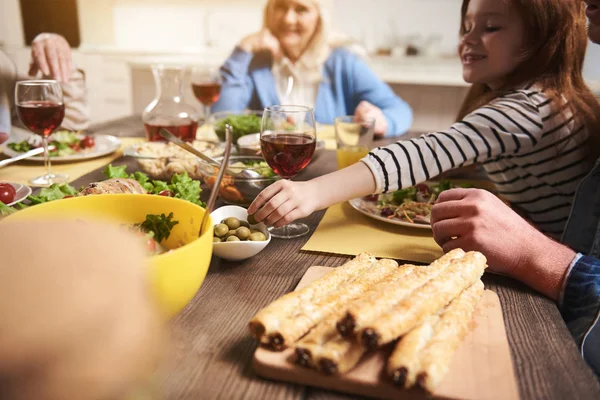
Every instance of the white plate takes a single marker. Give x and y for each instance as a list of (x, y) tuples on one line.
[(357, 205), (105, 144), (22, 192), (252, 141)]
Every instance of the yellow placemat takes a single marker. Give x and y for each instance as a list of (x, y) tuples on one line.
[(344, 230), (22, 172)]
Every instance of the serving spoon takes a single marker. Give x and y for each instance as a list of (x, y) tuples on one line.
[(245, 173), (210, 205)]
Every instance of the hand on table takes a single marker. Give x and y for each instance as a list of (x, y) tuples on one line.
[(262, 41), (284, 202), (476, 220), (51, 54), (366, 110)]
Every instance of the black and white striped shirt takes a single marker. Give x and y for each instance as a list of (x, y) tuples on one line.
[(532, 149)]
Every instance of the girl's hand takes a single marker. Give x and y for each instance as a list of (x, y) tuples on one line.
[(284, 202), (366, 110), (262, 41)]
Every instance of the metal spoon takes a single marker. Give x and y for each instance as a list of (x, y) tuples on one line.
[(215, 189), (245, 173)]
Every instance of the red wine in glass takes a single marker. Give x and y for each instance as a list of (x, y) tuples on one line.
[(207, 93), (185, 131), (287, 153), (41, 117)]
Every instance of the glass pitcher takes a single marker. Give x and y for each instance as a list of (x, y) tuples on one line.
[(168, 110)]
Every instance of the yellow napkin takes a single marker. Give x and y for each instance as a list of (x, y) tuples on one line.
[(23, 171), (343, 230)]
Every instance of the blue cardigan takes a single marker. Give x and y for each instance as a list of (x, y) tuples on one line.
[(248, 83)]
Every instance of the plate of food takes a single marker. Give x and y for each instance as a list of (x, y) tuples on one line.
[(162, 160), (69, 145), (406, 207), (13, 193)]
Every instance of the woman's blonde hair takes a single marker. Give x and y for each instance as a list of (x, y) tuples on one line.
[(556, 43)]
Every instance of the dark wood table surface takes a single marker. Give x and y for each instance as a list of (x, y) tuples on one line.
[(211, 351)]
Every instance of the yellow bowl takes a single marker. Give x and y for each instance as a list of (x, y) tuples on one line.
[(175, 276)]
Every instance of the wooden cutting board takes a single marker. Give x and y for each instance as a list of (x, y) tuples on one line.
[(481, 368)]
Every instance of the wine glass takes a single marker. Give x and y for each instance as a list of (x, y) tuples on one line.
[(287, 139), (206, 85), (41, 109)]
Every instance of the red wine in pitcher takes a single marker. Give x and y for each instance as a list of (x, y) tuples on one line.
[(287, 153), (41, 117), (185, 131), (207, 93)]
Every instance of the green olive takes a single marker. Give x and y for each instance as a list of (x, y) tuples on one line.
[(252, 220), (233, 239), (221, 230), (232, 222), (244, 223), (216, 239), (257, 237), (230, 233), (243, 233)]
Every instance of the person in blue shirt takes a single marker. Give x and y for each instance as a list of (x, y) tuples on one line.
[(295, 60), (567, 272)]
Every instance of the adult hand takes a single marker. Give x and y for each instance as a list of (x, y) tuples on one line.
[(262, 41), (284, 202), (366, 110), (51, 54), (476, 220)]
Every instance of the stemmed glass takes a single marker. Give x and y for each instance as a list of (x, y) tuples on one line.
[(41, 109), (206, 85), (287, 139)]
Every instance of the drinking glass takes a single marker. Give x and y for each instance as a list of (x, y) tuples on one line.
[(41, 109), (354, 139), (287, 139), (206, 85)]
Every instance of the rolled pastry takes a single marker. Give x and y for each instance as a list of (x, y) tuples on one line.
[(265, 324), (308, 315), (425, 301), (449, 332), (403, 363), (385, 295)]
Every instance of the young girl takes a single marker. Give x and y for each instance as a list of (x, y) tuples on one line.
[(526, 119)]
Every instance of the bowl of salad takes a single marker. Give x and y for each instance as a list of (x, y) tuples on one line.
[(242, 123), (236, 189), (178, 259)]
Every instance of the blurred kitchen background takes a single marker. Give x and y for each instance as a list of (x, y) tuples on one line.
[(411, 44)]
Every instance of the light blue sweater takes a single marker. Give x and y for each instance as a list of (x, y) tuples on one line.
[(248, 83)]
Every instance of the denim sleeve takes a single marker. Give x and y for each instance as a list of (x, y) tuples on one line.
[(580, 308), (237, 88), (368, 86)]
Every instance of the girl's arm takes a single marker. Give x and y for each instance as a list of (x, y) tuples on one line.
[(505, 126), (237, 88)]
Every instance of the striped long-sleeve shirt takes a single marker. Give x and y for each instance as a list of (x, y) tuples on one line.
[(532, 149)]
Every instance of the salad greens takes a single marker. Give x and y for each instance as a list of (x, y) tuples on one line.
[(259, 166), (159, 226), (65, 143), (54, 192), (241, 125), (181, 185)]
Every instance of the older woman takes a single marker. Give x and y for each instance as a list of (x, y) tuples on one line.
[(293, 60)]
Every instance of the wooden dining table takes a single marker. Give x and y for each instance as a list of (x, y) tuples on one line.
[(210, 351)]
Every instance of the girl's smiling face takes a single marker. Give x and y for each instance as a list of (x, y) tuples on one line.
[(492, 44)]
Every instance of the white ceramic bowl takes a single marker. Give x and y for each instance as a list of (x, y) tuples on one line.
[(236, 251)]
